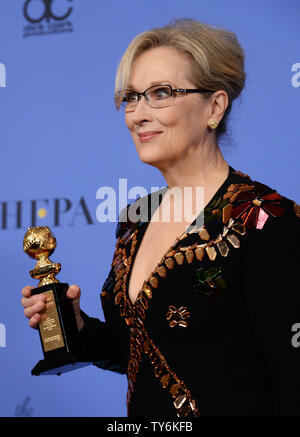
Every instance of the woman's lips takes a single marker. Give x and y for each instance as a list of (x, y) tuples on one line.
[(146, 136)]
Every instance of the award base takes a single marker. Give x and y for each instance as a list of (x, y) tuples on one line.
[(59, 333), (62, 363)]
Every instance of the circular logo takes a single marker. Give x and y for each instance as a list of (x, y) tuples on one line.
[(47, 12)]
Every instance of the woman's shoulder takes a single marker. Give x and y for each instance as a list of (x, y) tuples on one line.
[(261, 208)]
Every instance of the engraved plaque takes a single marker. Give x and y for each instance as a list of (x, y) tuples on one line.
[(50, 328)]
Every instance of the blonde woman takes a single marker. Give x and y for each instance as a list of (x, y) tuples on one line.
[(200, 315)]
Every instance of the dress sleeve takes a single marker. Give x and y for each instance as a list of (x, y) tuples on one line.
[(105, 341), (98, 340), (270, 264)]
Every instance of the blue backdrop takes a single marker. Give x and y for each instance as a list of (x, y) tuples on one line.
[(61, 139)]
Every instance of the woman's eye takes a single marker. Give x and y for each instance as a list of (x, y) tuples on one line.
[(131, 97), (161, 93)]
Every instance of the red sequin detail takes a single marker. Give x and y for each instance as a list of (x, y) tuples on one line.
[(254, 207)]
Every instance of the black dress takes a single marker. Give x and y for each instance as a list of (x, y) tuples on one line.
[(215, 329)]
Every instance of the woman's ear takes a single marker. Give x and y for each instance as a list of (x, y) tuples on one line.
[(219, 103)]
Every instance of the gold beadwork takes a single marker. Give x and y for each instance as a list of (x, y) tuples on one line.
[(165, 379), (174, 390), (204, 235), (239, 228), (179, 401), (177, 316), (233, 239), (179, 258), (199, 252), (184, 235), (169, 262), (147, 291), (211, 252), (223, 248), (171, 253), (153, 281), (162, 271), (189, 254), (118, 298), (184, 410), (256, 202), (226, 212), (297, 209)]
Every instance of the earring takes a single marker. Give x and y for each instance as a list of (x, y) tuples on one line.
[(212, 124)]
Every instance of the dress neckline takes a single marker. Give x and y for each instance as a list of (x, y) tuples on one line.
[(144, 227)]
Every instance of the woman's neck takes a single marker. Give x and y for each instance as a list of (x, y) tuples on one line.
[(207, 171)]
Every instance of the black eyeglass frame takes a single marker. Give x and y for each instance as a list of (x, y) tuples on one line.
[(173, 90)]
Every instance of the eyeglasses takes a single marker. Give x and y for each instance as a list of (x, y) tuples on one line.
[(157, 96)]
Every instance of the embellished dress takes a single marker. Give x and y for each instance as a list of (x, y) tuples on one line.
[(215, 329)]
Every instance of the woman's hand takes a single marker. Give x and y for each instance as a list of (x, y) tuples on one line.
[(33, 305)]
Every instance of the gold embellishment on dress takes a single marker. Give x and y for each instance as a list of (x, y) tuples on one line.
[(118, 298), (169, 262), (297, 209), (256, 202), (225, 231), (241, 174), (141, 343), (189, 254), (165, 379), (223, 248), (184, 235), (179, 258), (120, 273), (220, 241), (211, 252), (118, 285), (233, 239), (147, 290), (153, 281), (199, 252), (174, 390), (226, 211), (179, 401), (171, 253), (177, 316), (204, 235), (162, 271), (239, 227), (235, 189)]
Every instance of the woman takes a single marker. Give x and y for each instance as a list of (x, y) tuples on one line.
[(201, 318)]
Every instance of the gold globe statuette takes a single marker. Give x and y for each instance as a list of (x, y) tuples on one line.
[(58, 327), (39, 243)]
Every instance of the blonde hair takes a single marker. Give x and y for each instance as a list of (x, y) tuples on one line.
[(217, 59)]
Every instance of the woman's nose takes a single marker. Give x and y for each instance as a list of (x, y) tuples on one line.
[(142, 111)]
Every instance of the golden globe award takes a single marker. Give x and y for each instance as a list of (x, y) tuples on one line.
[(58, 327)]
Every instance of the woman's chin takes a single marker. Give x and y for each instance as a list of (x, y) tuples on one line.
[(155, 160)]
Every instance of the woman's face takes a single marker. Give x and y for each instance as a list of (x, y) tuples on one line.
[(176, 130)]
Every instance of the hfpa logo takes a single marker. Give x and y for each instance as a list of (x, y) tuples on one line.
[(2, 75)]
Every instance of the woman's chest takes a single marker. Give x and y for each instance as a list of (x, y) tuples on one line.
[(157, 241)]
